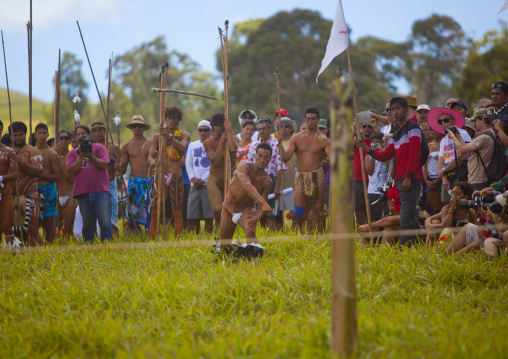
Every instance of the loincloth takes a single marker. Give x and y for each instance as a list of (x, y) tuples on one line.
[(215, 194), (235, 217), (138, 200), (310, 185), (63, 200), (113, 190), (48, 196), (30, 210)]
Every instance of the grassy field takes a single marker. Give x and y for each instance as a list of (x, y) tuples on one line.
[(189, 303)]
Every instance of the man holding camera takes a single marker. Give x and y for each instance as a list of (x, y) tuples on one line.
[(481, 146), (88, 163), (448, 122)]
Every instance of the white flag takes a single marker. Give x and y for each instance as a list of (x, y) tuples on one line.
[(505, 6), (338, 41)]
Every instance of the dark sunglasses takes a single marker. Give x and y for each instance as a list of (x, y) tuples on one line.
[(247, 118), (445, 120), (64, 138), (365, 126), (137, 126), (388, 110), (204, 130), (285, 126)]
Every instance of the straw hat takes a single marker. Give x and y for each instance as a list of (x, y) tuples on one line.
[(138, 120), (436, 112)]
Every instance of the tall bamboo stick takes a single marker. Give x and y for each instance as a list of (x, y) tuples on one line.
[(344, 321), (279, 116), (362, 162), (29, 29), (10, 119), (160, 169)]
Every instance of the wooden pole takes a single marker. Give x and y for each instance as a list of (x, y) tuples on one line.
[(279, 116), (57, 100), (165, 70), (227, 155), (160, 169), (10, 119), (184, 93), (344, 321), (108, 102), (29, 28), (362, 162)]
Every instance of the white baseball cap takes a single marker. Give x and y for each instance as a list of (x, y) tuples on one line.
[(423, 107)]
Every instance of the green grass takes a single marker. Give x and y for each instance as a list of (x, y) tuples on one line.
[(189, 303)]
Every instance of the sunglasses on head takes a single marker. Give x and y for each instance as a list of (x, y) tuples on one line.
[(264, 120), (445, 120), (64, 138), (137, 126), (204, 130), (365, 126), (497, 86)]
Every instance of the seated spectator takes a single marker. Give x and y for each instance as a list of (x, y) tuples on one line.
[(452, 216), (499, 241), (244, 142), (378, 173), (479, 151), (431, 172)]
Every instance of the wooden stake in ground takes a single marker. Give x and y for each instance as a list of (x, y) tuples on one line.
[(57, 100), (362, 162), (344, 322), (279, 116), (10, 119)]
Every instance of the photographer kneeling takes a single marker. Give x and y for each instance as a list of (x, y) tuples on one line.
[(492, 245), (453, 217), (88, 163)]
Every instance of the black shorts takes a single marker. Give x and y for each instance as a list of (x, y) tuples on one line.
[(359, 196)]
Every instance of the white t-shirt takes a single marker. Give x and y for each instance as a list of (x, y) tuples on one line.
[(378, 178), (447, 147), (253, 138), (197, 163)]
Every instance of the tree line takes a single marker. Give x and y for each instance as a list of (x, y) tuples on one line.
[(438, 60)]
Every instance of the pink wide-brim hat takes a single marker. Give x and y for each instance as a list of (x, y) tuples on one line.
[(436, 112)]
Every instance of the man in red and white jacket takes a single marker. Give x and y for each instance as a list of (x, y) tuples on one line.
[(405, 146)]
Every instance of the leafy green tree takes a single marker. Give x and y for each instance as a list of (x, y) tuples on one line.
[(439, 49), (485, 65)]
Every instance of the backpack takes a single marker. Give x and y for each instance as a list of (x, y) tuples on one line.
[(498, 167)]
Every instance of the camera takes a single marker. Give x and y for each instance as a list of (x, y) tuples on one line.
[(485, 202), (373, 145), (85, 146), (461, 223), (451, 129)]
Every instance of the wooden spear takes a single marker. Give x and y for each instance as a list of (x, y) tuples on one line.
[(10, 118), (183, 93), (57, 124), (225, 73), (279, 116), (362, 162), (108, 101), (344, 321), (29, 28), (165, 70)]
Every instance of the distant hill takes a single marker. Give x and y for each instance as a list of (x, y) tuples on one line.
[(20, 110)]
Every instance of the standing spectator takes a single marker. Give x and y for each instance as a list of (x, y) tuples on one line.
[(499, 97), (288, 127), (274, 167), (469, 127), (422, 112), (91, 185), (440, 119), (431, 172), (378, 173), (323, 127), (449, 102), (360, 211), (461, 107), (482, 103), (198, 169), (405, 146), (248, 115), (412, 104), (482, 146), (386, 119), (248, 130)]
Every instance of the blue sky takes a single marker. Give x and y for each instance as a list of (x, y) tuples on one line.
[(191, 27)]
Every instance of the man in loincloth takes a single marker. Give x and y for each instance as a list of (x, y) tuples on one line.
[(29, 161), (98, 130), (51, 172), (250, 184), (310, 147), (8, 173), (66, 202), (215, 148), (175, 142), (135, 153)]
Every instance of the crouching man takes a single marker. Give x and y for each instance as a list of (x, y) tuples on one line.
[(250, 184)]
